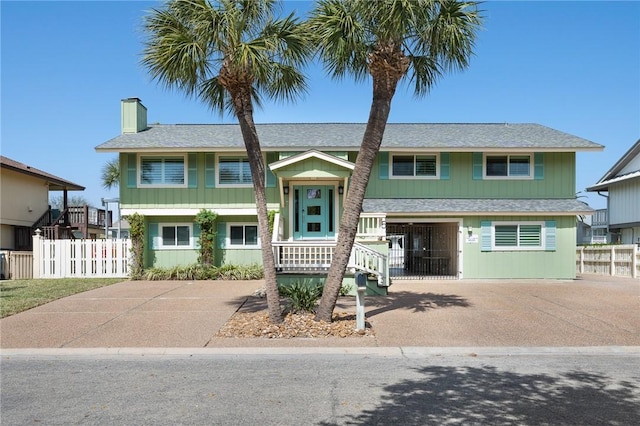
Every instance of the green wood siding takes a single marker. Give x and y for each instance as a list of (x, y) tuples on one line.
[(558, 182), (557, 264), (554, 177)]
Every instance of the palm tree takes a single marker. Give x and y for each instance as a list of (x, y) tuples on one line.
[(391, 40), (111, 173), (229, 55)]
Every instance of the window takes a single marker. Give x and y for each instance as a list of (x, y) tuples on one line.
[(162, 171), (175, 236), (234, 171), (518, 236), (510, 166), (243, 235), (414, 166)]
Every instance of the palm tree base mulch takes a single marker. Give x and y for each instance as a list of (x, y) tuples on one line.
[(257, 325)]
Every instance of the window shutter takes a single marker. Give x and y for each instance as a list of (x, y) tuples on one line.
[(153, 236), (210, 170), (132, 178), (383, 165), (485, 235), (196, 235), (477, 166), (193, 170), (221, 235), (550, 235), (444, 165), (271, 178), (538, 166)]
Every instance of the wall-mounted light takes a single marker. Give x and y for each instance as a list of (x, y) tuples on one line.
[(285, 190), (341, 190), (470, 230)]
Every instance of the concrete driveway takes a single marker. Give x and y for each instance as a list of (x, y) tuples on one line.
[(590, 311)]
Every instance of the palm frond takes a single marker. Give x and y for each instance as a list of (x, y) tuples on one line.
[(110, 175), (434, 35)]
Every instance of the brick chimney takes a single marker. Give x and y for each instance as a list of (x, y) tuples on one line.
[(134, 115)]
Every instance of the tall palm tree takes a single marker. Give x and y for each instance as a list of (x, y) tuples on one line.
[(391, 41), (111, 173), (230, 54)]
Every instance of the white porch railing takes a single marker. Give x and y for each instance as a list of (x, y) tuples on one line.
[(316, 256), (372, 226), (365, 259)]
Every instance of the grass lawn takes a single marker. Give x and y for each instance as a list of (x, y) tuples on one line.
[(20, 295)]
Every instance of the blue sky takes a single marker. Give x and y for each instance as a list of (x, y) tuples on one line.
[(572, 66)]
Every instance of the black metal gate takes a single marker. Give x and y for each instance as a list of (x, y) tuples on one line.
[(423, 250)]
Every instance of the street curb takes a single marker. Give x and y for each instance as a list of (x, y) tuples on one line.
[(411, 352)]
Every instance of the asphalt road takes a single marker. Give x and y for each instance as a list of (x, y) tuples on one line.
[(552, 388)]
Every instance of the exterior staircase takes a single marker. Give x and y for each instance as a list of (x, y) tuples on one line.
[(316, 256)]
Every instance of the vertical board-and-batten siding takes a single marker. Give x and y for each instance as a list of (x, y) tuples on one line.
[(558, 259), (200, 191), (555, 179), (624, 202)]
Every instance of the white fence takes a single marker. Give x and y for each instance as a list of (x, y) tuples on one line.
[(618, 260), (80, 258), (16, 265)]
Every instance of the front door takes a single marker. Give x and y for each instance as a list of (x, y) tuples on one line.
[(314, 211)]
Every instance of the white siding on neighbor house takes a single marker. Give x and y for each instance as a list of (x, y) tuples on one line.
[(624, 202), (632, 166), (630, 235), (24, 198)]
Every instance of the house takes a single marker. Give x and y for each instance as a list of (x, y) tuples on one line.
[(25, 202), (620, 221), (444, 200)]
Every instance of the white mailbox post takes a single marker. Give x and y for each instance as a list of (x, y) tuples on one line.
[(361, 284)]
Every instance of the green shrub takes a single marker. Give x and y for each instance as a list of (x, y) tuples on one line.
[(301, 296), (201, 272), (346, 289), (206, 219)]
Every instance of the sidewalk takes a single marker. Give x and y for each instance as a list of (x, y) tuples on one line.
[(590, 311)]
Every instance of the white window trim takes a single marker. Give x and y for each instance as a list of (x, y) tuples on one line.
[(217, 166), (518, 248), (227, 242), (162, 185), (160, 245), (405, 154), (508, 154)]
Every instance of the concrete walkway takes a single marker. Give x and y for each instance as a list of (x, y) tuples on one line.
[(590, 311)]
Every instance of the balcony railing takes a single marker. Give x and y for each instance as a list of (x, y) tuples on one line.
[(600, 218), (372, 226)]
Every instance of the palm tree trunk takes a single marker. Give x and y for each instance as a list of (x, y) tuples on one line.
[(378, 115), (244, 112)]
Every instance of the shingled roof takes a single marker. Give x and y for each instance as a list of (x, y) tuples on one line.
[(55, 183), (348, 136), (480, 206)]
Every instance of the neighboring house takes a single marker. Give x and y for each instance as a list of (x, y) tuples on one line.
[(621, 220), (24, 192), (119, 229), (444, 200)]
